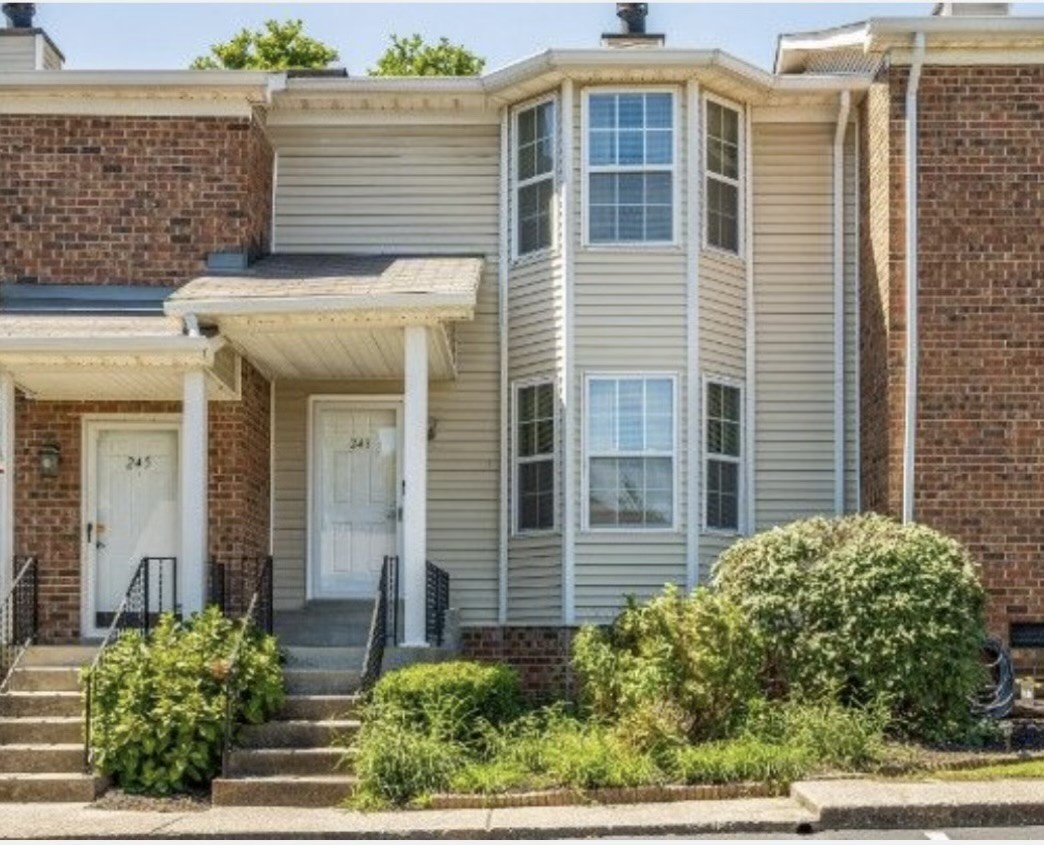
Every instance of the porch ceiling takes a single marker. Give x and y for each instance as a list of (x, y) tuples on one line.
[(110, 357)]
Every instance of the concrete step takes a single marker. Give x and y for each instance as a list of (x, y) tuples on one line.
[(43, 730), (25, 758), (323, 657), (297, 734), (282, 791), (321, 681), (45, 679), (41, 704), (318, 707), (58, 655), (50, 787), (287, 761)]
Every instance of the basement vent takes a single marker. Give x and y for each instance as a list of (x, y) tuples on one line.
[(1027, 635)]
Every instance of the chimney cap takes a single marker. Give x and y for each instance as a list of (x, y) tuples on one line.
[(632, 17), (19, 15)]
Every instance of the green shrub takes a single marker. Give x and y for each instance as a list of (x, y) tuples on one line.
[(675, 667), (460, 694), (834, 736), (747, 759), (159, 702), (867, 609)]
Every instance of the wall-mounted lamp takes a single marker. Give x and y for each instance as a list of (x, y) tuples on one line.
[(433, 427), (50, 459)]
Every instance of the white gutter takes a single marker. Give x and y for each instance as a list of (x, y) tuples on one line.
[(910, 403), (129, 345), (502, 351), (241, 306), (839, 302), (100, 79), (569, 440)]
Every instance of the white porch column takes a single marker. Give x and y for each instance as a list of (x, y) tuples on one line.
[(193, 458), (415, 485), (7, 480)]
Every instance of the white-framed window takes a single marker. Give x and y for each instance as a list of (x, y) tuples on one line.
[(630, 452), (534, 456), (722, 165), (723, 454), (534, 163), (629, 153)]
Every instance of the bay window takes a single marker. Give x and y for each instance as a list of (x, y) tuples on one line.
[(534, 178), (722, 403), (722, 150), (534, 438)]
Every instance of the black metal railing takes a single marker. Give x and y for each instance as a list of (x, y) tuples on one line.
[(383, 622), (232, 588), (436, 602), (18, 616), (257, 615), (154, 584)]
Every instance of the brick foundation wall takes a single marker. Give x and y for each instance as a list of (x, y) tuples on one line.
[(539, 654), (137, 200), (980, 434), (48, 510)]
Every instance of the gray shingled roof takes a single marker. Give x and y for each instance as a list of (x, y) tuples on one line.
[(297, 276)]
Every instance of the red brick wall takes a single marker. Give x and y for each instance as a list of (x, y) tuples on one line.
[(539, 654), (980, 434), (139, 200), (47, 510)]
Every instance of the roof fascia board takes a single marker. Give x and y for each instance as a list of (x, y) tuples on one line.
[(312, 305), (132, 345)]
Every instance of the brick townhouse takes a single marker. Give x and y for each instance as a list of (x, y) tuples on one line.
[(566, 329)]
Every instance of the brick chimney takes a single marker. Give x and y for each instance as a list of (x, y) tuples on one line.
[(632, 28), (24, 46)]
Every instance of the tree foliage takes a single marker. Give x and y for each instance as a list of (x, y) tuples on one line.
[(412, 56), (276, 46)]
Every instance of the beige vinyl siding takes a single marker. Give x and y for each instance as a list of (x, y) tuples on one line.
[(401, 188), (17, 52), (851, 325), (793, 254), (629, 317), (410, 188)]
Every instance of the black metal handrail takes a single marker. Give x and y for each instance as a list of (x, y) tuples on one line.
[(231, 588), (134, 613), (383, 606), (258, 614), (436, 602), (19, 615)]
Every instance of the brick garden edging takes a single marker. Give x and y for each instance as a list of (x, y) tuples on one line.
[(630, 795)]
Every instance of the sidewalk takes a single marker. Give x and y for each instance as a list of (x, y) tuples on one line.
[(813, 805)]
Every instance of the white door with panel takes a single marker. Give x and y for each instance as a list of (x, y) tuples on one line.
[(355, 507), (131, 512)]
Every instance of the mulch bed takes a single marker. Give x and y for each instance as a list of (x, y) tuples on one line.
[(189, 802)]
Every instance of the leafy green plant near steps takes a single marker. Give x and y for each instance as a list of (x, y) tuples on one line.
[(159, 701)]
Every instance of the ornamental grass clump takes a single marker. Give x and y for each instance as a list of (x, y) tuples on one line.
[(868, 611), (158, 705)]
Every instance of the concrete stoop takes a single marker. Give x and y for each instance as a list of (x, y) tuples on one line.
[(292, 761), (41, 724)]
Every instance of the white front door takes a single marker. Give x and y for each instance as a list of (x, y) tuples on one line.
[(355, 507), (131, 509)]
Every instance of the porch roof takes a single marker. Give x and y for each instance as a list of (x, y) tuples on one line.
[(399, 289), (336, 316), (79, 356)]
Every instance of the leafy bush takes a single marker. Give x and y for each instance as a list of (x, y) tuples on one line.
[(681, 667), (159, 702), (747, 759), (867, 609), (453, 698)]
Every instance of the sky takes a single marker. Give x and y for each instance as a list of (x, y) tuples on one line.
[(170, 35)]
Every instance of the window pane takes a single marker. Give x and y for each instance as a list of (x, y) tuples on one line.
[(730, 126), (602, 147), (526, 162), (630, 405), (722, 140), (545, 120), (545, 155), (722, 215), (603, 224), (601, 415), (528, 201), (630, 188), (631, 112), (658, 224), (545, 401), (526, 127), (658, 147), (722, 495), (658, 189), (602, 109), (631, 149), (659, 111), (603, 188)]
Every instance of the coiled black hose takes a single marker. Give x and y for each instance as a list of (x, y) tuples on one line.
[(998, 698)]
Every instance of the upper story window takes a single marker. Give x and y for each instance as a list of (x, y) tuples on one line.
[(535, 456), (630, 167), (534, 177), (630, 452), (723, 446), (722, 149)]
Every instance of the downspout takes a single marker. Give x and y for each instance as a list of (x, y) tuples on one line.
[(502, 349), (569, 396), (839, 302), (910, 404)]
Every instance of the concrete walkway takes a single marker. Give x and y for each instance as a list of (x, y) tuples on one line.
[(813, 805)]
